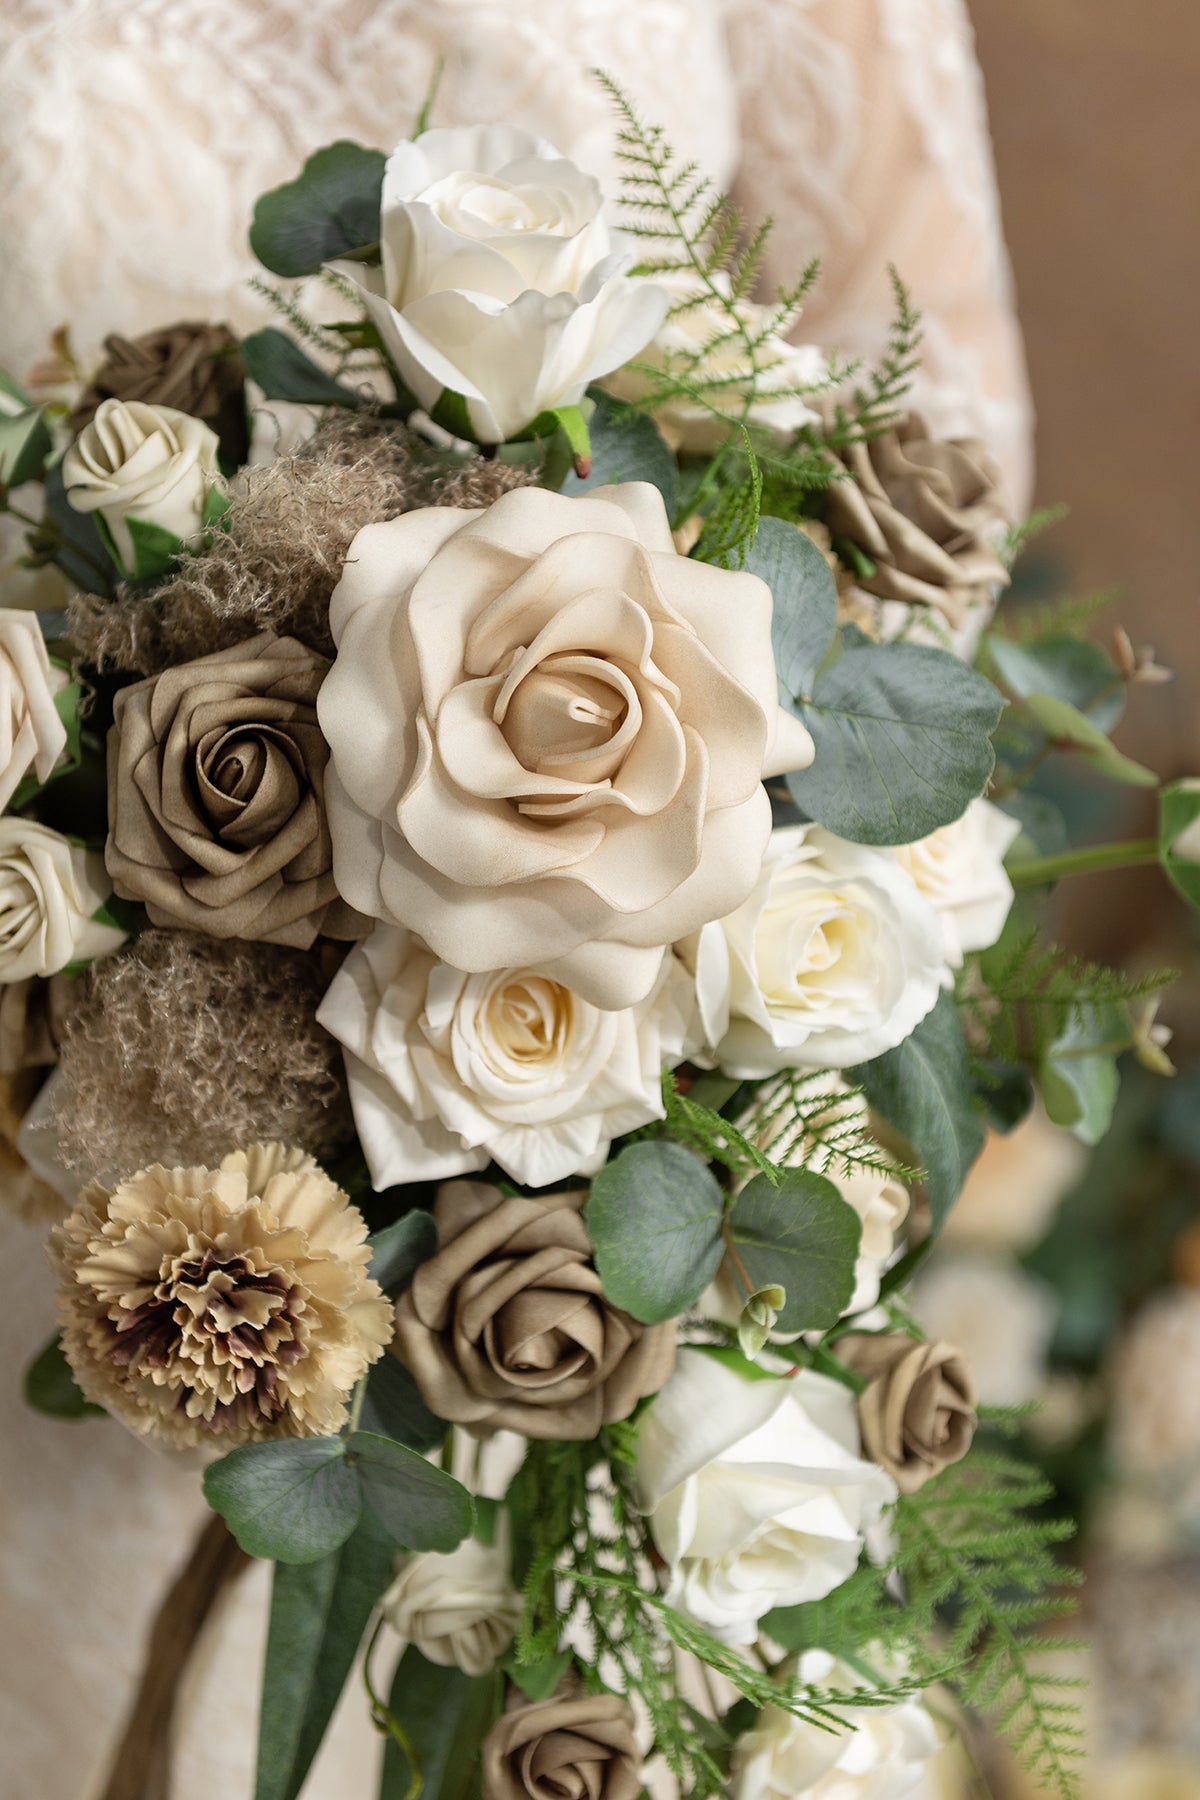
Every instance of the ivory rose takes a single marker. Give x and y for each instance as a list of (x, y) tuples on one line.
[(960, 870), (32, 736), (460, 1610), (834, 958), (49, 890), (137, 461), (547, 733), (756, 1494), (447, 1070), (498, 279)]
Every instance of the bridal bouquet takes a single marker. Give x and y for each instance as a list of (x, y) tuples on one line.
[(508, 945)]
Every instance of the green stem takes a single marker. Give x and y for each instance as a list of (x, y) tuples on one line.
[(385, 1720), (1039, 870), (356, 1406)]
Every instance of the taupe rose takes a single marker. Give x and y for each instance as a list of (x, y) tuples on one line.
[(570, 1747), (216, 774), (191, 366), (548, 731), (507, 1327), (917, 1412)]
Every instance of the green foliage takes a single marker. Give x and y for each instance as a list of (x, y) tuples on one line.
[(902, 736), (877, 401), (1073, 669), (1178, 809), (421, 1506), (732, 525), (807, 1118), (709, 1133), (1066, 728), (286, 372), (654, 1218), (330, 210), (626, 446), (804, 616), (802, 1235), (50, 1386), (1069, 617), (923, 1089), (398, 1251), (1018, 536), (436, 1720), (393, 1407), (25, 446), (319, 1612)]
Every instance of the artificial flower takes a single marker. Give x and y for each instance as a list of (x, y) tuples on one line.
[(149, 463), (32, 736), (498, 279), (573, 1745), (50, 889), (833, 958), (191, 366), (917, 1411), (507, 1326), (756, 1493), (548, 731), (960, 870), (460, 1610), (219, 1306), (1001, 1318), (1155, 1422), (448, 1071)]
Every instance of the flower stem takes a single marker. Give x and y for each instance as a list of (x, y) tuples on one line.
[(739, 1266), (1039, 870)]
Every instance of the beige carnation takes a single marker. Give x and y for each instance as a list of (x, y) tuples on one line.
[(218, 1306)]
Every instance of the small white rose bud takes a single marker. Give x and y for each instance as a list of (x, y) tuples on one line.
[(142, 462), (460, 1610)]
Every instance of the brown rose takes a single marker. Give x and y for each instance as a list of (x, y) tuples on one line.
[(216, 773), (507, 1327), (192, 367), (917, 1412), (925, 511), (570, 1747)]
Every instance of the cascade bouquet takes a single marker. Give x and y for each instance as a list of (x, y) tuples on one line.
[(508, 946)]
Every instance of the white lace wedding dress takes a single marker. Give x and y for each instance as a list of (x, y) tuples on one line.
[(134, 138)]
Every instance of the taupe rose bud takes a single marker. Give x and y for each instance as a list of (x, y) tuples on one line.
[(926, 512), (193, 367), (570, 1745), (216, 773), (507, 1327), (917, 1412)]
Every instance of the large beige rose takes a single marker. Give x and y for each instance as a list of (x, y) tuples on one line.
[(548, 731), (32, 736)]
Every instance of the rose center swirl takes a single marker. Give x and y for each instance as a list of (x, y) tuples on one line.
[(543, 1336), (250, 781), (574, 715)]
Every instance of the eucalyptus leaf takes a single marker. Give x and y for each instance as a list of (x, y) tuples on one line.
[(903, 742), (445, 1715), (331, 209), (25, 446), (1076, 670), (1068, 728), (537, 1681), (804, 617), (319, 1612), (805, 1237), (654, 1218), (923, 1088), (50, 1386), (286, 372), (626, 446), (398, 1251), (421, 1506), (1078, 1073), (393, 1407), (289, 1499), (1178, 811)]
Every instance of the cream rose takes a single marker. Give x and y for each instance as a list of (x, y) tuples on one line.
[(881, 1754), (756, 1494), (32, 736), (49, 889), (548, 730), (1001, 1318), (447, 1070), (498, 278), (960, 871), (460, 1610), (697, 341), (834, 958), (137, 461)]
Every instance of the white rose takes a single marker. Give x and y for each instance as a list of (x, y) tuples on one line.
[(756, 1494), (460, 1610), (137, 461), (833, 959), (32, 736), (777, 370), (49, 889), (882, 1754), (547, 734), (998, 1316), (448, 1070), (960, 870), (498, 279)]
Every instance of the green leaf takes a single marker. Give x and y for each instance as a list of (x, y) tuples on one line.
[(422, 1507), (1179, 808), (216, 505), (537, 1681), (1078, 1073), (923, 1088), (654, 1218), (1067, 728), (50, 1386), (290, 1499), (78, 548), (24, 446), (626, 446), (445, 1715), (393, 1407), (286, 372), (804, 1236), (804, 618), (902, 735), (331, 208), (319, 1612), (398, 1251), (155, 549), (1073, 669)]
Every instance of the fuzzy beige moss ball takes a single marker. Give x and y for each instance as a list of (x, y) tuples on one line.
[(217, 1306)]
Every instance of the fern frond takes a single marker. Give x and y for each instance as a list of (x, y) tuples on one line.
[(877, 401), (1018, 536), (810, 1122), (1069, 617)]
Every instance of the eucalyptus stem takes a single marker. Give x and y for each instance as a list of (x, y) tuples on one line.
[(1038, 870), (385, 1720)]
